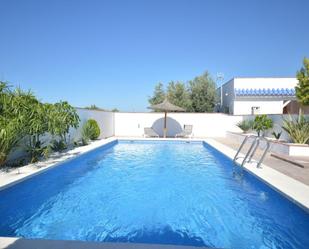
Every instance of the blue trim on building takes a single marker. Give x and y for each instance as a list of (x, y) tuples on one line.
[(265, 92)]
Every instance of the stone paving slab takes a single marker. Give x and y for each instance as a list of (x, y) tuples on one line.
[(289, 169)]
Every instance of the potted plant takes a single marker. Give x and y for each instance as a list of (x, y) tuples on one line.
[(261, 124)]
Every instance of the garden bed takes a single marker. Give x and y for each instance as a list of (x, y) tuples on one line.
[(278, 147)]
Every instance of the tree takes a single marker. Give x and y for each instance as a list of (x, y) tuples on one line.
[(23, 116), (10, 135), (158, 95), (302, 88), (115, 110), (262, 123), (94, 107), (202, 90), (38, 123), (62, 117), (10, 126), (178, 95), (16, 115)]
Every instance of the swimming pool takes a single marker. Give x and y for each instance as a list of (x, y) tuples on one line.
[(153, 192)]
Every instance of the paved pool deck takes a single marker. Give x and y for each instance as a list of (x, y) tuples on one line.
[(289, 169), (293, 189), (12, 176)]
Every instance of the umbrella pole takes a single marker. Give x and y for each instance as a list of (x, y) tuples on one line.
[(165, 129)]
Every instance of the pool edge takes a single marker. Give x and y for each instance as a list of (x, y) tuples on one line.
[(283, 184), (47, 165)]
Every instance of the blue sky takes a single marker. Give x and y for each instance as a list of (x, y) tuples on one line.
[(112, 53)]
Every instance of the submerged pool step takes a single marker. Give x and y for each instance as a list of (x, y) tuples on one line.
[(18, 243)]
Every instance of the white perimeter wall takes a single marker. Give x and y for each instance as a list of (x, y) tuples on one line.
[(132, 124), (204, 124), (104, 119)]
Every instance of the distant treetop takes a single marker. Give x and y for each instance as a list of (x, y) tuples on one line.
[(302, 88), (197, 95), (94, 107)]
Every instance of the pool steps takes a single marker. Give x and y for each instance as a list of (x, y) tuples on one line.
[(251, 152)]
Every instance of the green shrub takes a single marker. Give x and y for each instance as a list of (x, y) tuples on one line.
[(84, 141), (81, 142), (298, 130), (245, 125), (23, 116), (9, 138), (59, 145), (62, 117), (262, 123), (37, 151), (91, 130)]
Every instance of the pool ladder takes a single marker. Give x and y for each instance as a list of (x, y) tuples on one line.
[(251, 152)]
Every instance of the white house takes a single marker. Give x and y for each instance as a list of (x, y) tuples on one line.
[(241, 96)]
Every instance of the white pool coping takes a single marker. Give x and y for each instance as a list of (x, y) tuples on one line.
[(291, 188), (21, 173)]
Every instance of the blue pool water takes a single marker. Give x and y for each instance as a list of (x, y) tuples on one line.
[(153, 192)]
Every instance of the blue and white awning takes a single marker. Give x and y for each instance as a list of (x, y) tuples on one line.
[(266, 92)]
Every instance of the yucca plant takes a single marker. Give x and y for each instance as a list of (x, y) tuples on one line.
[(297, 129), (245, 125)]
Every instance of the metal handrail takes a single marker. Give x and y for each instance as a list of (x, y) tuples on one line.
[(251, 152), (242, 145), (265, 151)]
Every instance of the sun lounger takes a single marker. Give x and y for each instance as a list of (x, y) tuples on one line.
[(186, 132), (149, 132)]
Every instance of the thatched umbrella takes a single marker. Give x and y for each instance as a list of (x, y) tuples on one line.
[(166, 106)]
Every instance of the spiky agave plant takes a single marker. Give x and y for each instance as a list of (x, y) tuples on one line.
[(297, 129), (245, 125)]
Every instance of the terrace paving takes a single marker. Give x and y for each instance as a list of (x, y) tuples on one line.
[(287, 168)]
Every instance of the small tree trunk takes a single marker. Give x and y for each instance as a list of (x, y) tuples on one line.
[(300, 112), (33, 141), (3, 158)]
